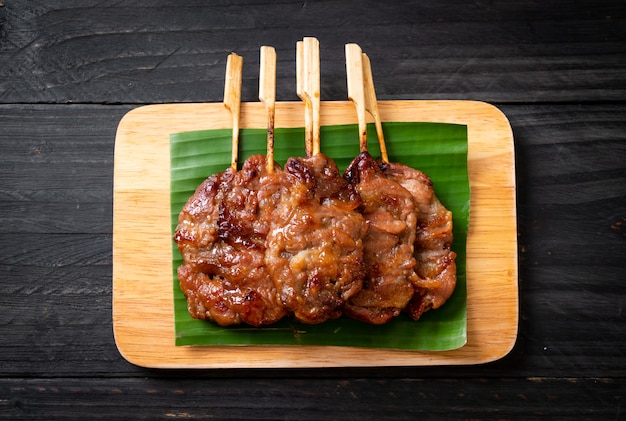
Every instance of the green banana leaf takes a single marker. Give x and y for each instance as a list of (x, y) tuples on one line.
[(439, 150)]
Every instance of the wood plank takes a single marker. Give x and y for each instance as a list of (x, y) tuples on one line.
[(170, 397), (56, 317), (57, 177), (571, 198), (93, 217), (137, 53)]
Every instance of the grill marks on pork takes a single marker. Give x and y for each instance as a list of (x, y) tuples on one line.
[(314, 246), (202, 252), (436, 262), (259, 246), (221, 236), (389, 264)]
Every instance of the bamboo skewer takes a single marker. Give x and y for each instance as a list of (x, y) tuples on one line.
[(267, 95), (356, 94), (308, 90), (371, 105), (232, 99)]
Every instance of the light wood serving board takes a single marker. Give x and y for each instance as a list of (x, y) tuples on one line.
[(143, 307)]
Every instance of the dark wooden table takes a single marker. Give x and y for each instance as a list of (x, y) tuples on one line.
[(69, 70)]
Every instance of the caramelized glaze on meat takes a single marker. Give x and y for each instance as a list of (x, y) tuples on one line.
[(314, 247), (306, 242), (389, 210), (436, 264), (221, 236)]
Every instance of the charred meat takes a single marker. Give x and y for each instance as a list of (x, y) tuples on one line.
[(221, 236), (314, 247), (389, 210), (436, 262)]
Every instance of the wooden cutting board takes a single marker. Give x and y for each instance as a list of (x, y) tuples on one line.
[(143, 311)]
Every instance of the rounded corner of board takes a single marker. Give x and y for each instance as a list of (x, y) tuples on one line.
[(506, 347), (497, 113), (131, 358)]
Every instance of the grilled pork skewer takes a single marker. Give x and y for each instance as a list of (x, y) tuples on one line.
[(221, 236), (261, 243), (314, 247), (435, 262), (389, 211)]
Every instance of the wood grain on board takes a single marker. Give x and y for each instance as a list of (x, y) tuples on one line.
[(143, 318)]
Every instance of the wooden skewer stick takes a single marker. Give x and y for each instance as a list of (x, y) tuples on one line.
[(301, 91), (312, 87), (232, 99), (354, 72), (267, 95), (371, 105)]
